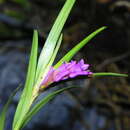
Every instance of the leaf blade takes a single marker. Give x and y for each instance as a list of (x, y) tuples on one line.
[(24, 102), (5, 109), (75, 49), (43, 102), (109, 74)]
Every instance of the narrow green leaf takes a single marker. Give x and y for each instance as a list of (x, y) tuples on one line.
[(56, 50), (24, 103), (75, 49), (109, 74), (51, 60), (53, 37), (5, 109), (41, 103)]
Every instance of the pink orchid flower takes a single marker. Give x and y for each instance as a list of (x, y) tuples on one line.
[(66, 71)]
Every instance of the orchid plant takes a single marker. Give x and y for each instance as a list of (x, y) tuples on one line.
[(42, 72)]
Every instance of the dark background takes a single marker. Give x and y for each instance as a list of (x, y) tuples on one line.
[(100, 103)]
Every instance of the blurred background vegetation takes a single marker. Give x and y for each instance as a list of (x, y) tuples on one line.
[(100, 104)]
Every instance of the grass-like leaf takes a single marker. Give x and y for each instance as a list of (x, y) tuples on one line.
[(41, 103), (5, 109), (53, 37), (80, 45), (24, 103), (109, 74), (53, 57)]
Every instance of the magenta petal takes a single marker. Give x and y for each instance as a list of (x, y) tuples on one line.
[(48, 78), (81, 62), (72, 75), (60, 75), (71, 65), (85, 66)]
